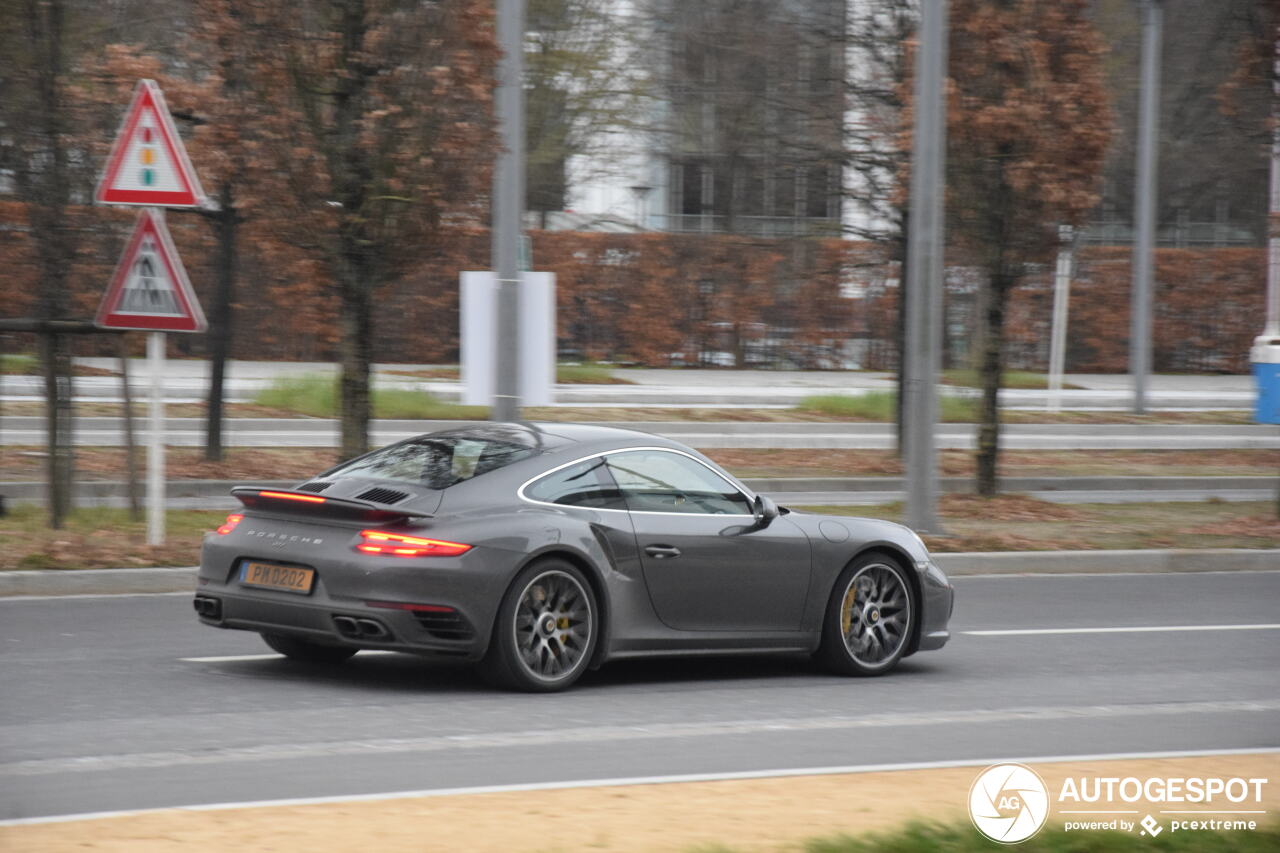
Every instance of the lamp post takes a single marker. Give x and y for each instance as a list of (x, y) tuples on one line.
[(922, 350), (1145, 204), (508, 208)]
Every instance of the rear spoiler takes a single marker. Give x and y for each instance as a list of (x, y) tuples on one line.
[(319, 506)]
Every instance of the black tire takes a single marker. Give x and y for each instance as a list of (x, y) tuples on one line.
[(546, 629), (305, 650), (870, 635)]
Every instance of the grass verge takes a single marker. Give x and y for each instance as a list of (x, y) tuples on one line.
[(98, 538), (588, 373), (1020, 523), (762, 462), (317, 396), (880, 405), (962, 838), (969, 378), (20, 364), (585, 373)]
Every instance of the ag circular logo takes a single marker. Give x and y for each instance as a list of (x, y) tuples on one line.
[(1008, 803)]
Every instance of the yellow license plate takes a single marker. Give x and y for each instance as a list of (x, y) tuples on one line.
[(272, 576)]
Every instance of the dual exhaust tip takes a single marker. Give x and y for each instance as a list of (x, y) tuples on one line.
[(361, 629), (208, 607)]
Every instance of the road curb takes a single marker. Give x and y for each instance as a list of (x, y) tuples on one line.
[(97, 581), (136, 581)]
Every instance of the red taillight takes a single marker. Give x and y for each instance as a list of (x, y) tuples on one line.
[(396, 544), (288, 496), (416, 608), (230, 524)]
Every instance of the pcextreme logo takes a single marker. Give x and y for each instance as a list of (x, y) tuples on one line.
[(1008, 803)]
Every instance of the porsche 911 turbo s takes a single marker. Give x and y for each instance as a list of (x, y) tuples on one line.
[(541, 550)]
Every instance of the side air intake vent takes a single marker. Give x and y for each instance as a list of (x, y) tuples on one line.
[(380, 495), (314, 487)]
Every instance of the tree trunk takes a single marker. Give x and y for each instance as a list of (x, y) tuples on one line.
[(991, 369), (47, 189), (220, 319), (900, 340), (356, 354), (56, 357)]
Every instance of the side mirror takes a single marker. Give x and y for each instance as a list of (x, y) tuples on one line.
[(765, 511)]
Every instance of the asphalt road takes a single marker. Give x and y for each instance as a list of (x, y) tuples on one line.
[(106, 705)]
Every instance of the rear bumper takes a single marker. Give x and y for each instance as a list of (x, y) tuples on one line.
[(359, 602), (358, 627)]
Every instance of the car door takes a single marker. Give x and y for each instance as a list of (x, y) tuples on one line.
[(707, 565)]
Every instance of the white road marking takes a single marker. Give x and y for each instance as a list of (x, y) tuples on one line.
[(1069, 575), (1144, 629), (549, 738), (777, 773), (232, 658)]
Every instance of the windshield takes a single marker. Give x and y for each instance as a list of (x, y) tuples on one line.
[(436, 463)]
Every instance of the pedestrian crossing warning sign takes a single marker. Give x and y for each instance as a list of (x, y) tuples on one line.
[(150, 289), (148, 163)]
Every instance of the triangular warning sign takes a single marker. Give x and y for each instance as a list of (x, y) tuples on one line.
[(149, 289), (148, 163)]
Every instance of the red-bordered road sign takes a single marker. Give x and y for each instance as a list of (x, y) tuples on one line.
[(150, 289), (148, 164)]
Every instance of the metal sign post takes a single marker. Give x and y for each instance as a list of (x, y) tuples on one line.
[(155, 441)]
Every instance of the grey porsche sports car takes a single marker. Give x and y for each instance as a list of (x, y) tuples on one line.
[(540, 550)]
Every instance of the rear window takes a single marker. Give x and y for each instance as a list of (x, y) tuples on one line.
[(436, 463)]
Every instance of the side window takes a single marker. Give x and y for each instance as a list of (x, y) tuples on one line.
[(587, 483), (658, 481)]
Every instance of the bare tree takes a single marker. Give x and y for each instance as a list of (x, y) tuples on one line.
[(33, 82)]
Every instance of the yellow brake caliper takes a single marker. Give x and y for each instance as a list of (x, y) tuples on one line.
[(846, 609)]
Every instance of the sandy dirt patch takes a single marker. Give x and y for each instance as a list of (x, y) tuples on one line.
[(749, 815)]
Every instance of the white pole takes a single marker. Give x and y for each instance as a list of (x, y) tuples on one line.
[(1058, 338), (1145, 204), (1272, 328), (922, 355), (508, 209), (155, 441)]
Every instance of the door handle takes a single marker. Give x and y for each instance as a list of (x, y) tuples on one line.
[(661, 552)]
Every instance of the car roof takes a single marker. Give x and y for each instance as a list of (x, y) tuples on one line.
[(547, 437)]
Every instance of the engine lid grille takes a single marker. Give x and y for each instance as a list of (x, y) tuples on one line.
[(382, 495)]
